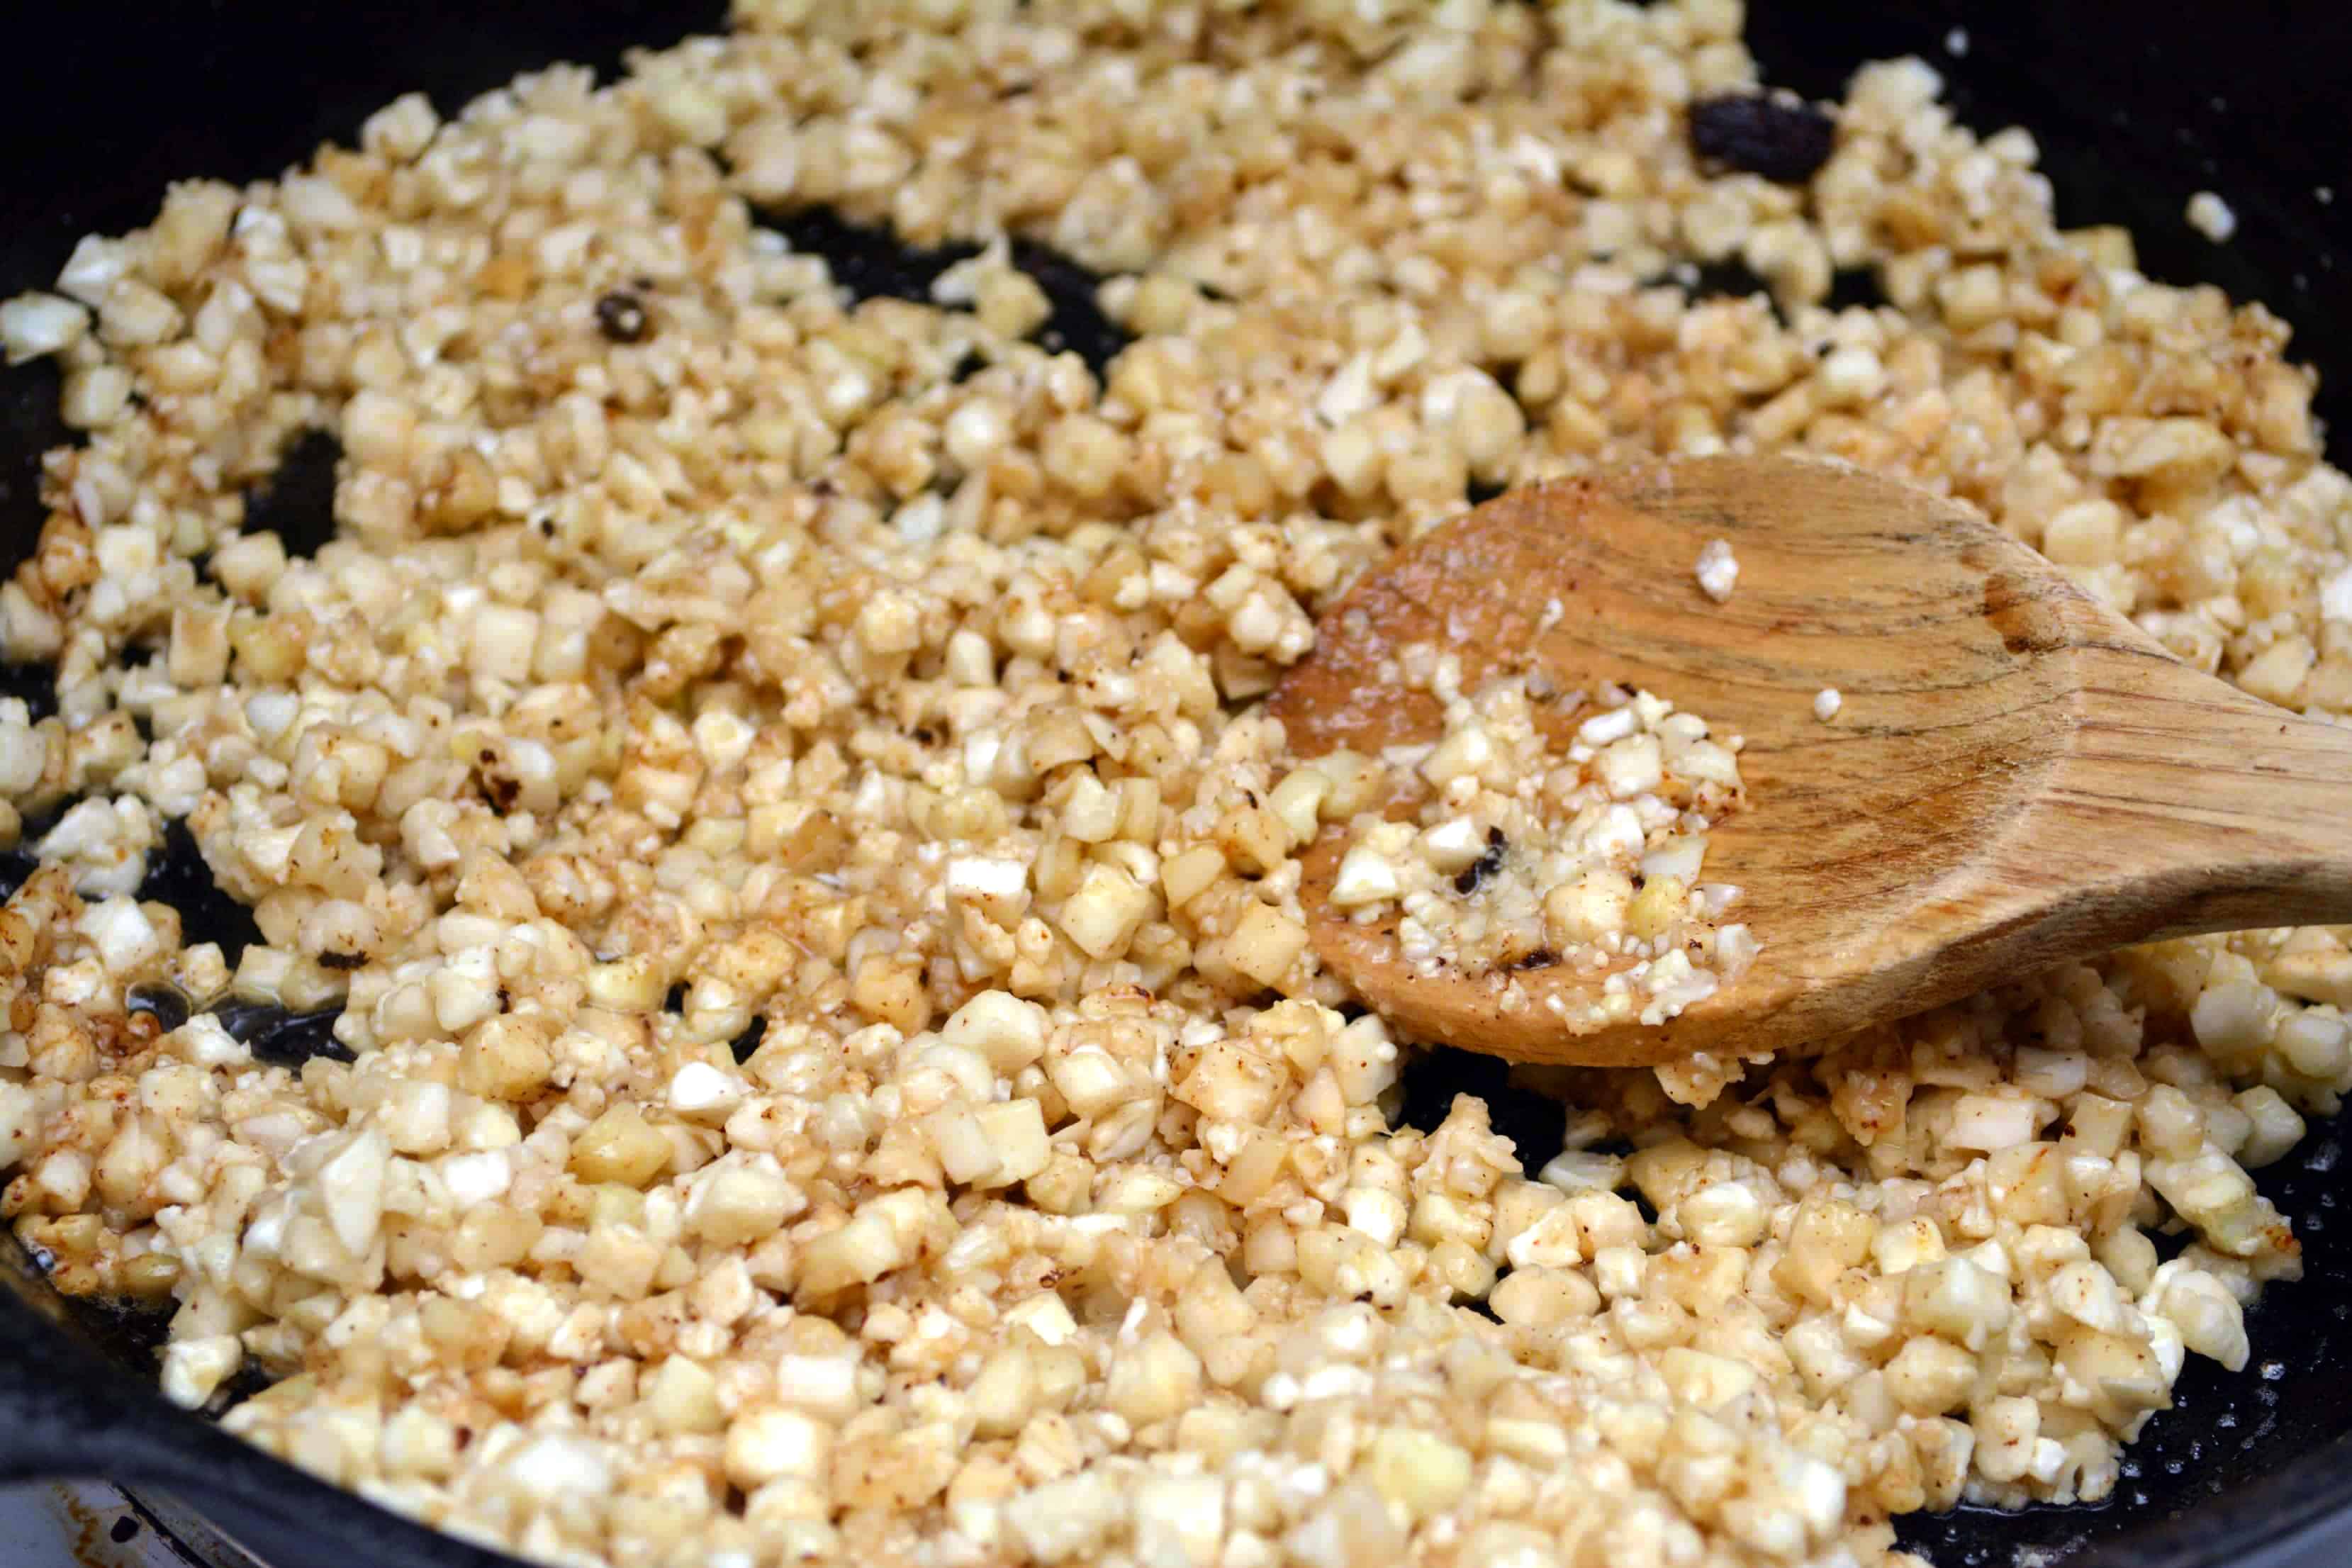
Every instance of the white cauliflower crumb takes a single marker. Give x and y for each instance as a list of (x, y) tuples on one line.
[(1826, 703), (1528, 854), (1719, 570), (2211, 216)]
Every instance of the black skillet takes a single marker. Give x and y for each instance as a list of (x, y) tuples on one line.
[(2135, 106)]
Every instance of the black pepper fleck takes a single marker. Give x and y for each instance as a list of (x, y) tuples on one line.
[(1486, 865), (1781, 139), (622, 318)]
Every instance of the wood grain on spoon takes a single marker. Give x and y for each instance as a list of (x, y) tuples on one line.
[(2017, 776)]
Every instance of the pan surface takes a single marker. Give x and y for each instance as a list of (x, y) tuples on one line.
[(2134, 107)]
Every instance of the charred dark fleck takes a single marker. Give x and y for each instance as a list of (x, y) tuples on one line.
[(925, 735), (1541, 958), (621, 317), (1486, 865), (500, 791), (341, 959), (177, 876), (122, 1530), (274, 1033), (744, 1044), (298, 501), (165, 1002), (1783, 139), (675, 1001)]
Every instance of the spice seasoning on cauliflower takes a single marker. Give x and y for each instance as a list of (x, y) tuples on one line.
[(774, 786), (1523, 853)]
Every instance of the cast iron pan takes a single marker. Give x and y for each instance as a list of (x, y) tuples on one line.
[(2135, 106)]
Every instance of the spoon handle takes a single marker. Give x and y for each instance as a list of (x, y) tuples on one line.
[(2193, 808)]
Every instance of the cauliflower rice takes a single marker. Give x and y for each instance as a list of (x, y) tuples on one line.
[(829, 1067), (1525, 854)]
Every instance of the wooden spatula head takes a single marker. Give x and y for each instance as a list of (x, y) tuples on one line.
[(1872, 841)]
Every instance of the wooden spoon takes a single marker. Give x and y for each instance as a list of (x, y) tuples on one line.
[(2017, 777)]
